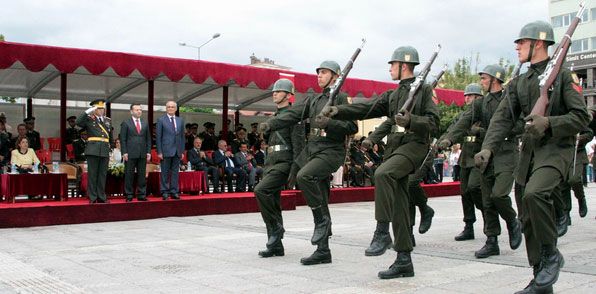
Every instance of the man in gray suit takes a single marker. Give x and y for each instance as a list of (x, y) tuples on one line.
[(135, 139), (248, 163), (170, 147)]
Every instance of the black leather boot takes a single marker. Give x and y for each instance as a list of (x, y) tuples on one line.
[(426, 219), (515, 234), (277, 250), (531, 287), (583, 207), (551, 263), (277, 233), (562, 224), (402, 267), (467, 233), (320, 256), (381, 240), (322, 225), (490, 248)]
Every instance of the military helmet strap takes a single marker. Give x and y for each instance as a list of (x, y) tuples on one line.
[(531, 52)]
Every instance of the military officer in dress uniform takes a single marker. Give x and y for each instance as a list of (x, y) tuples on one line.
[(547, 148), (323, 154), (471, 193), (497, 178), (97, 151), (408, 142), (277, 170)]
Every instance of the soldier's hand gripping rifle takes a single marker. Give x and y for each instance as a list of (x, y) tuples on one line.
[(417, 84), (547, 79), (334, 90)]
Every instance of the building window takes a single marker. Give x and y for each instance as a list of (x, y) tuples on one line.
[(585, 17), (557, 21), (593, 43), (579, 45), (566, 19), (593, 12)]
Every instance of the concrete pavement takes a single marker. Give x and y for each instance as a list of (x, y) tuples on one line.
[(218, 254)]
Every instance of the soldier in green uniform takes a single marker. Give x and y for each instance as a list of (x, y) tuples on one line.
[(471, 193), (546, 152), (97, 151), (407, 144), (322, 155), (497, 178), (277, 170), (418, 197), (562, 199), (72, 132), (79, 146)]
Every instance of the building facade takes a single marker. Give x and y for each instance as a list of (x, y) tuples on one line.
[(581, 57)]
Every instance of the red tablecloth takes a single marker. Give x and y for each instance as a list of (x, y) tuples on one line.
[(33, 184), (114, 185), (188, 182)]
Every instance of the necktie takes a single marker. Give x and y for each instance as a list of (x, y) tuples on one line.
[(249, 163), (173, 124), (138, 126)]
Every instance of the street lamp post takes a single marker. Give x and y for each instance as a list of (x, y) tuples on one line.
[(216, 35)]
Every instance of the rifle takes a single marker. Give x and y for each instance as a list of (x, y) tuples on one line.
[(547, 79), (410, 102), (438, 77), (334, 90)]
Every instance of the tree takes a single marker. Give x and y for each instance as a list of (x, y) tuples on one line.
[(462, 74), (196, 109), (1, 37), (448, 114)]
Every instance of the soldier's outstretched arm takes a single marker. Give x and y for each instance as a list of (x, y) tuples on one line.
[(373, 108), (289, 117), (381, 131)]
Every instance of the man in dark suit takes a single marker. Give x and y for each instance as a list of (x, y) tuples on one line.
[(170, 148), (202, 162), (97, 150), (248, 163), (225, 159), (135, 140)]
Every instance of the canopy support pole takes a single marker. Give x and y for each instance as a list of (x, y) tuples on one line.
[(62, 117), (224, 114), (150, 104)]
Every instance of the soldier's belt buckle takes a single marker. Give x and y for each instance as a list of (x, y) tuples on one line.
[(277, 148), (470, 139), (398, 129), (318, 132)]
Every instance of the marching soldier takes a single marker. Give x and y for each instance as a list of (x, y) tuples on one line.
[(471, 194), (547, 148), (418, 197), (97, 151), (408, 142), (322, 155), (497, 178), (277, 170)]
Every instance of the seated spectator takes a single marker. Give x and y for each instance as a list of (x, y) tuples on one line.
[(5, 147), (225, 159), (248, 163), (361, 166), (261, 154), (116, 154), (200, 162), (375, 156), (23, 156)]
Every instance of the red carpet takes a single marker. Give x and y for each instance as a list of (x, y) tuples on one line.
[(78, 210)]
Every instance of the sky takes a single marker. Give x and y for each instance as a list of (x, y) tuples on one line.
[(297, 34)]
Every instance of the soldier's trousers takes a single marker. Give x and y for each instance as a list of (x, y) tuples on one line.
[(538, 211), (392, 198), (418, 197), (313, 178), (495, 200), (471, 193), (563, 200), (268, 192), (97, 171)]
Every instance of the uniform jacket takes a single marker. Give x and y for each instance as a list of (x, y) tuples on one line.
[(424, 122), (567, 116), (137, 145), (96, 129), (170, 142)]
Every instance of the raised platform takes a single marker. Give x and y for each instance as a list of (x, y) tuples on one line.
[(78, 210)]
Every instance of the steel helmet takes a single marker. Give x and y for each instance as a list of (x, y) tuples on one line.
[(494, 70), (406, 54), (330, 65), (283, 85), (537, 30), (473, 89)]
